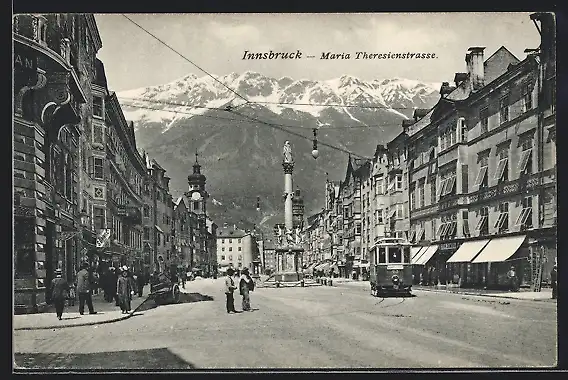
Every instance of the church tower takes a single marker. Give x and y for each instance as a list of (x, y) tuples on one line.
[(196, 194)]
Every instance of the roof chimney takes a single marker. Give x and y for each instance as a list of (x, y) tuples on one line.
[(475, 69), (406, 124), (445, 89)]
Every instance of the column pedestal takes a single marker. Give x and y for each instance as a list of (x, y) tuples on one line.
[(290, 270)]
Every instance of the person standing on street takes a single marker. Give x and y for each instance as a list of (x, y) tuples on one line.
[(554, 282), (59, 289), (183, 278), (84, 289), (140, 281), (246, 284), (124, 291), (512, 276), (229, 289)]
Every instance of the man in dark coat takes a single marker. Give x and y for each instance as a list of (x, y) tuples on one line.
[(59, 288), (84, 289), (140, 281), (554, 282)]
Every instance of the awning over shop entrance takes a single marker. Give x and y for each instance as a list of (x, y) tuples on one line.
[(414, 251), (427, 255), (500, 249), (414, 259), (467, 251)]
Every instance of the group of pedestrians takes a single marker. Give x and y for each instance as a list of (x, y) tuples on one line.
[(119, 286), (245, 286)]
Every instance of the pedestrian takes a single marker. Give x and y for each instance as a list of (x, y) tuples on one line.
[(183, 278), (124, 291), (84, 289), (59, 293), (512, 277), (131, 279), (246, 285), (554, 282), (111, 284), (140, 283), (229, 289)]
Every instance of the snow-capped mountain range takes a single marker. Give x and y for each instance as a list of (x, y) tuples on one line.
[(176, 100), (241, 153)]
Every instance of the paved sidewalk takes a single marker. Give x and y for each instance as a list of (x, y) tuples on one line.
[(544, 295), (106, 312)]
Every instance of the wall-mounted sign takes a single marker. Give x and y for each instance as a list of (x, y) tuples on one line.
[(25, 59)]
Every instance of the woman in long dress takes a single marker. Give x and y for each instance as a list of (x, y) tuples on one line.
[(246, 285), (124, 290)]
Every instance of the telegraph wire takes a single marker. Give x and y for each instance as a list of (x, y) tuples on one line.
[(322, 127), (273, 125), (184, 57)]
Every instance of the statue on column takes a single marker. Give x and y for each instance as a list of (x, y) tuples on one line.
[(287, 152)]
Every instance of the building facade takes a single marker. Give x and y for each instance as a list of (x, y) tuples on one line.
[(235, 249), (159, 222), (53, 69), (120, 168), (472, 181)]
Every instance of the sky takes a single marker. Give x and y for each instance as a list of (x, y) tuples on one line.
[(217, 42)]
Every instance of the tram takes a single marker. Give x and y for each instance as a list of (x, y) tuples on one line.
[(390, 268)]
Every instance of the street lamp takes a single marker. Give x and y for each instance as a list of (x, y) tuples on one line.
[(315, 151)]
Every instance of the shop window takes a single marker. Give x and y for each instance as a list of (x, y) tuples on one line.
[(24, 241)]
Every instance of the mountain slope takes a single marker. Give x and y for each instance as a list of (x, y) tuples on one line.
[(241, 157)]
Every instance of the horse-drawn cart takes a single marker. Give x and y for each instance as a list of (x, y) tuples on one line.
[(163, 290)]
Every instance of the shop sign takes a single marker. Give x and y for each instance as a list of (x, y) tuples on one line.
[(25, 59), (448, 246)]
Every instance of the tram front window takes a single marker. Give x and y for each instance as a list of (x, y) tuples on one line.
[(407, 255), (382, 256), (395, 255)]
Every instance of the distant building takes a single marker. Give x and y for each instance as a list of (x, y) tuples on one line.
[(235, 248)]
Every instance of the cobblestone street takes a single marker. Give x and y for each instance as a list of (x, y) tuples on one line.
[(317, 327)]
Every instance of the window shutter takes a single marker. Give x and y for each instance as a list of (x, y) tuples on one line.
[(91, 166)]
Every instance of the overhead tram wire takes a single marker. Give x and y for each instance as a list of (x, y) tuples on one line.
[(256, 120), (224, 109), (234, 92), (302, 136), (184, 57)]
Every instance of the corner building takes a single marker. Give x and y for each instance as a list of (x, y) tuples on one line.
[(483, 172), (53, 66)]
